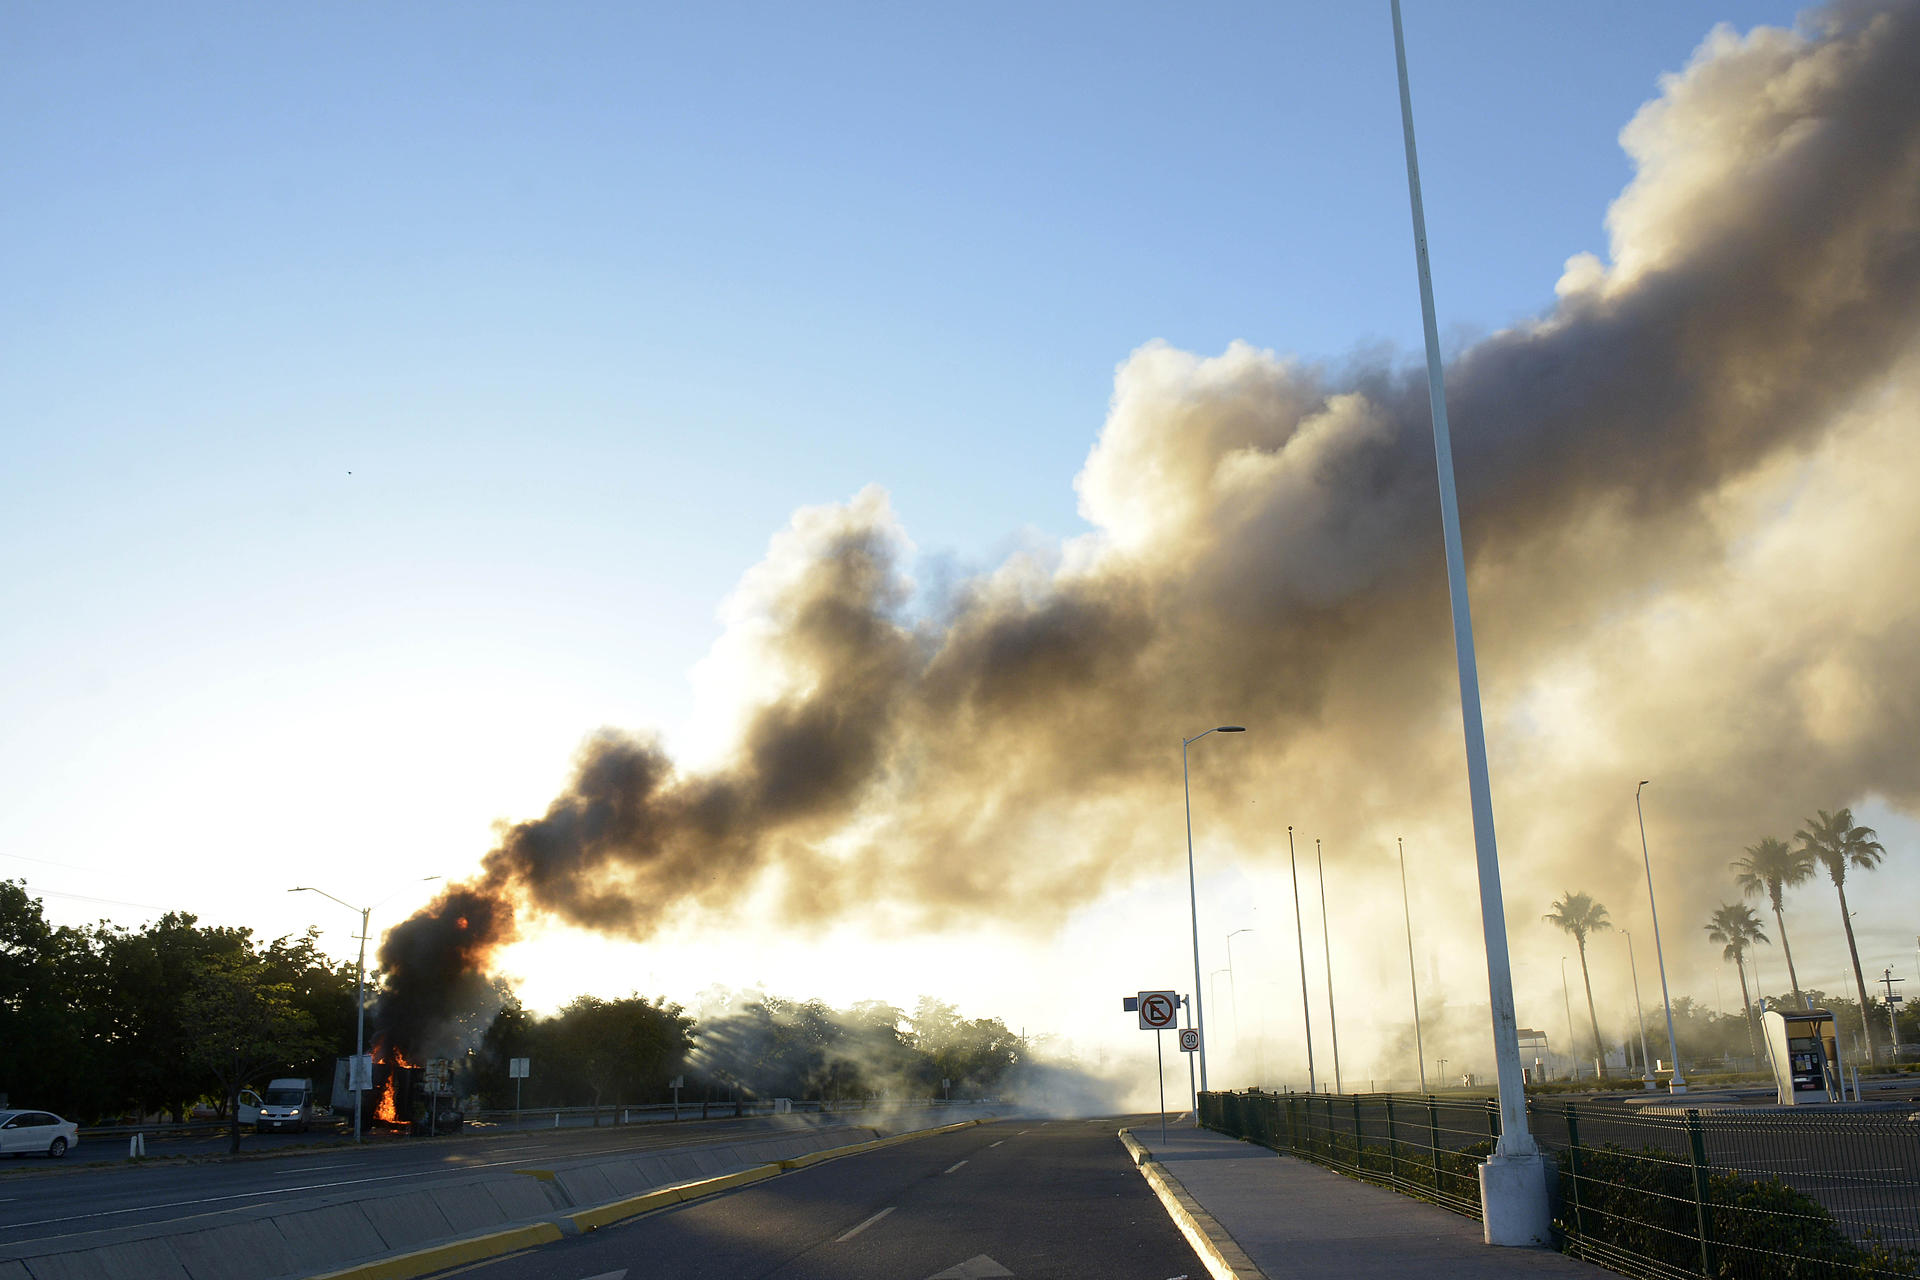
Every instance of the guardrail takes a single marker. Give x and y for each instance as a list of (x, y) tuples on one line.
[(1699, 1191)]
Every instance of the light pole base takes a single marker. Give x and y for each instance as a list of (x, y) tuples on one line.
[(1676, 1085), (1514, 1206), (1653, 1085)]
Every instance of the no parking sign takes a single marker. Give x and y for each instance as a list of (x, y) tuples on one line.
[(1159, 1010)]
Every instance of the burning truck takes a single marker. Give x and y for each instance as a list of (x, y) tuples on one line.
[(405, 1097)]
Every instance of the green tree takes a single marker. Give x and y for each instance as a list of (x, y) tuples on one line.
[(148, 1033), (1837, 843), (614, 1049), (1771, 868), (1579, 915), (1735, 925), (245, 1025)]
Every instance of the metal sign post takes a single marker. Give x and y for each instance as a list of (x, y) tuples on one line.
[(1158, 1011), (519, 1069)]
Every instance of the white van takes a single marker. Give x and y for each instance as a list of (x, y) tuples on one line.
[(289, 1104)]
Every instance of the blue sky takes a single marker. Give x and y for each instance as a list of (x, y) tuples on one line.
[(396, 394)]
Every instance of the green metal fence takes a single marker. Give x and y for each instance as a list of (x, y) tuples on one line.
[(1660, 1191)]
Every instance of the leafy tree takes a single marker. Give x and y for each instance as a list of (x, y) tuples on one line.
[(50, 989), (1837, 843), (1735, 925), (615, 1049), (1579, 915), (150, 1036), (1771, 868), (321, 989), (246, 1024)]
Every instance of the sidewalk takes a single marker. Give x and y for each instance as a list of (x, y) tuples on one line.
[(1268, 1215)]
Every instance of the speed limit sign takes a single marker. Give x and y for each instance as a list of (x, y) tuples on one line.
[(1159, 1010), (1189, 1040)]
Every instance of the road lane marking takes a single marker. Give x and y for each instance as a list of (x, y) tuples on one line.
[(950, 1168), (863, 1226), (992, 1145)]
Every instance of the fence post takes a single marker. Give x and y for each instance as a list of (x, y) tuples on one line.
[(1493, 1119), (1333, 1144), (1433, 1139), (1393, 1145), (1293, 1141), (1359, 1138), (1698, 1142), (1573, 1179)]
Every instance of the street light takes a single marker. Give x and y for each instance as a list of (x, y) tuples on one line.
[(1193, 907), (1300, 936), (1646, 1061), (1326, 941), (1678, 1084), (1513, 1182), (1413, 983), (1233, 993), (359, 985), (1572, 1054)]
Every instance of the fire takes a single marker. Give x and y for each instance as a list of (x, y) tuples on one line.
[(386, 1111), (460, 922), (401, 1058)]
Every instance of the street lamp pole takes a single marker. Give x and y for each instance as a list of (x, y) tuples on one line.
[(359, 991), (1193, 906), (1233, 993), (1306, 1011), (1573, 1055), (1326, 941), (1413, 983), (1513, 1182), (1646, 1061), (1678, 1083)]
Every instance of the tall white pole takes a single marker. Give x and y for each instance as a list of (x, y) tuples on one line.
[(360, 1023), (1679, 1082), (1413, 982), (1573, 1055), (1233, 987), (1333, 1018), (1514, 1181), (1306, 1011), (1193, 910), (1646, 1061)]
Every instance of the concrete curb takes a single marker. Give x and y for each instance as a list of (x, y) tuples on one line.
[(1222, 1255), (438, 1258)]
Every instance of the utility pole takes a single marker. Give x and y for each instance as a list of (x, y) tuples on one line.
[(1893, 1010)]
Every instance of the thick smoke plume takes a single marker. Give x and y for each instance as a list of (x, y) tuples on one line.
[(1687, 502)]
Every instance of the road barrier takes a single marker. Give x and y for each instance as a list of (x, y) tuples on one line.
[(1662, 1191)]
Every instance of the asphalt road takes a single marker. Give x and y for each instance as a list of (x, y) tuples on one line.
[(46, 1198), (1015, 1198)]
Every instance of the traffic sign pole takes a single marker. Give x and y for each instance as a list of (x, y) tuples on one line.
[(1160, 1061)]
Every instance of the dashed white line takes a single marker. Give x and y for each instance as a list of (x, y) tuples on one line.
[(992, 1145), (863, 1226), (955, 1165)]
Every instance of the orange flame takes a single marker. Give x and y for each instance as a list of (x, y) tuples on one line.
[(386, 1111)]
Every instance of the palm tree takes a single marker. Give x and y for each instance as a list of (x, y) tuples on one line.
[(1837, 844), (1772, 867), (1580, 915), (1737, 926)]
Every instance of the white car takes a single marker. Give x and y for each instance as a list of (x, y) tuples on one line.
[(37, 1133)]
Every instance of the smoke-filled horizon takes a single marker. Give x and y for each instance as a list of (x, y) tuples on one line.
[(1685, 502)]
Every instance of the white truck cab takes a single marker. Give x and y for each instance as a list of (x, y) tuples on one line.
[(289, 1104)]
